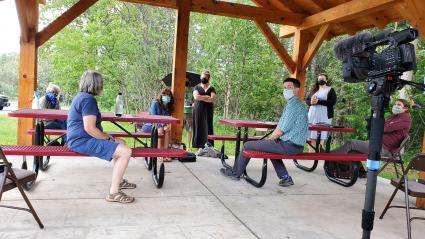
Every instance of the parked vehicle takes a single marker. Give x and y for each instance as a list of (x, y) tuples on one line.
[(4, 101)]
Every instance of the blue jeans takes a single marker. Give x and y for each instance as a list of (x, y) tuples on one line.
[(272, 146), (57, 124)]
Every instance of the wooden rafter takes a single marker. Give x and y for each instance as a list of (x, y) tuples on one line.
[(63, 20), (234, 10), (277, 46), (315, 45)]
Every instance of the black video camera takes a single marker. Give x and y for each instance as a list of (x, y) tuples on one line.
[(361, 59)]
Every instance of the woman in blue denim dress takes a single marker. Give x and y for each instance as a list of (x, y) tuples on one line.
[(85, 135)]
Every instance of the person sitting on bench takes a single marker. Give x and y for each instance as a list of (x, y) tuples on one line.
[(86, 136), (51, 101), (288, 138), (396, 128)]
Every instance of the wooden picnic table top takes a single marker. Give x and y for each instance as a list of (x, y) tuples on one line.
[(106, 116)]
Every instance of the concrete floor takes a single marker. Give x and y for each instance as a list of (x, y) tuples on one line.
[(195, 202)]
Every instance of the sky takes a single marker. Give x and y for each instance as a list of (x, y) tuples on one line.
[(9, 27)]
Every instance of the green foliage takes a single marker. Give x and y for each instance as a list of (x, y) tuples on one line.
[(9, 75), (132, 46)]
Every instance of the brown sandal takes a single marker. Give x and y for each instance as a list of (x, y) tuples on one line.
[(120, 197), (126, 185)]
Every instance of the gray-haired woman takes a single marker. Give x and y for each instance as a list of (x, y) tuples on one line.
[(86, 136), (51, 101)]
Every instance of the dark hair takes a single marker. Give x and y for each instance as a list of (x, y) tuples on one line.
[(296, 82), (170, 106), (315, 87), (405, 103)]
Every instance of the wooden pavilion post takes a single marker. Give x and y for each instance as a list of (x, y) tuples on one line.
[(28, 19), (178, 86)]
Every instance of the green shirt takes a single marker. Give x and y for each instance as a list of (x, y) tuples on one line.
[(294, 122)]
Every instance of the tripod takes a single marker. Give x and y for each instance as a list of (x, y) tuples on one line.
[(381, 89)]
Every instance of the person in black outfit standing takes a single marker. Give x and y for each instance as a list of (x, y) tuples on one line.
[(203, 111)]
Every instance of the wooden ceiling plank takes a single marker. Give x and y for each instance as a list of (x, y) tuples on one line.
[(344, 12), (315, 45), (63, 20), (282, 5), (277, 46), (156, 3)]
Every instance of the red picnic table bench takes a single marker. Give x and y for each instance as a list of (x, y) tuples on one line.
[(40, 150), (272, 125), (354, 158), (60, 132)]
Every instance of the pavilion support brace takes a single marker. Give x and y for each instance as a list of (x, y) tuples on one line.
[(178, 86), (301, 42), (27, 68)]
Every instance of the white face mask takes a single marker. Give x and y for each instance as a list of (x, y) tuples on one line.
[(396, 109), (288, 93)]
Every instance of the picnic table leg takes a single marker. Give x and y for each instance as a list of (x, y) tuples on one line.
[(263, 176), (38, 160), (154, 144), (355, 167), (238, 142), (157, 176), (317, 149)]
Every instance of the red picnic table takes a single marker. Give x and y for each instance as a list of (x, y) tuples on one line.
[(272, 125), (52, 114)]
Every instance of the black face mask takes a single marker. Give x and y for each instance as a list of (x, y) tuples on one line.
[(322, 82), (204, 80)]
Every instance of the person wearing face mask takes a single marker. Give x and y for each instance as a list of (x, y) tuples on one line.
[(51, 101), (203, 111), (396, 128), (162, 105), (288, 137), (321, 102)]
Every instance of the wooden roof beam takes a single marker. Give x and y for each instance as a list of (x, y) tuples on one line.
[(63, 20), (315, 45), (234, 10), (277, 46)]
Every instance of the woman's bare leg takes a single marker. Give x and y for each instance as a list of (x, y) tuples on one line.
[(121, 158)]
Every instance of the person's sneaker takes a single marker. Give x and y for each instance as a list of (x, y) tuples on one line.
[(229, 173), (286, 182)]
